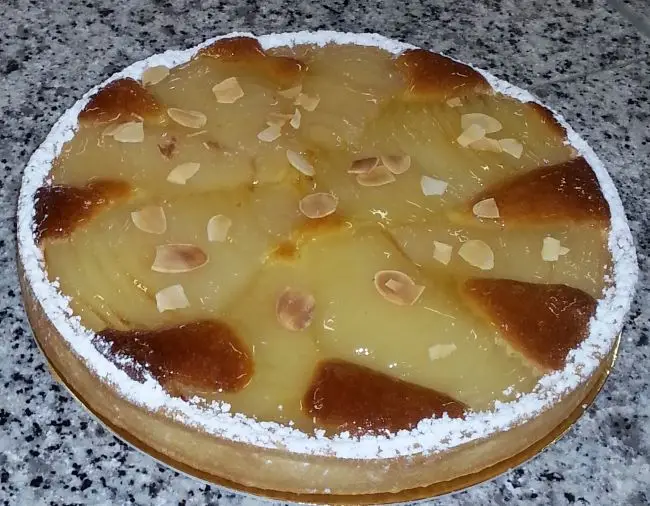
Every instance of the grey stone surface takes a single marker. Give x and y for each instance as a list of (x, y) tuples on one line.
[(581, 56)]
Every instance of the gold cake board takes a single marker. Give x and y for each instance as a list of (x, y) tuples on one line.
[(414, 494)]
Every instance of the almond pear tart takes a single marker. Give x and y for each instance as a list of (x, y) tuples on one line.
[(322, 263)]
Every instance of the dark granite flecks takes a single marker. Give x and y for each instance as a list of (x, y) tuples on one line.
[(581, 56)]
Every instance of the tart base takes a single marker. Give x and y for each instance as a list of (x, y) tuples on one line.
[(294, 477)]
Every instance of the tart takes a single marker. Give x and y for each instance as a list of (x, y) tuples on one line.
[(323, 263)]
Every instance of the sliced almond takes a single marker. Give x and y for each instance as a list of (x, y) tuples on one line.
[(512, 146), (295, 119), (432, 186), (318, 205), (379, 176), (270, 133), (167, 147), (177, 258), (291, 92), (170, 298), (278, 118), (228, 91), (306, 102), (486, 144), (181, 173), (153, 75), (454, 102), (438, 351), (130, 132), (189, 119), (397, 287), (218, 228), (295, 309), (150, 219), (552, 249), (471, 134), (442, 252), (478, 254), (363, 166), (397, 164), (486, 208), (488, 123), (299, 163)]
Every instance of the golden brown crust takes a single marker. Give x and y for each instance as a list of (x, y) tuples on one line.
[(431, 76), (567, 192), (205, 355), (234, 49), (60, 209), (125, 99), (548, 118), (282, 69), (219, 460), (542, 322), (350, 397)]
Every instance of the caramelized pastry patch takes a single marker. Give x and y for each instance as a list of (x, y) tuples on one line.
[(350, 397), (542, 322), (431, 76), (205, 355), (125, 99), (567, 191), (62, 208), (247, 50)]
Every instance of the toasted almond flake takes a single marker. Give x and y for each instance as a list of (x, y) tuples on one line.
[(153, 75), (486, 144), (291, 92), (189, 119), (432, 186), (397, 287), (150, 219), (228, 91), (442, 252), (270, 133), (471, 134), (478, 254), (486, 208), (488, 123), (438, 351), (551, 249), (397, 164), (181, 173), (512, 146), (295, 309), (564, 250), (306, 102), (363, 166), (218, 228), (178, 258), (295, 119), (454, 102), (378, 176), (170, 298), (278, 118), (318, 205), (133, 131), (111, 129), (299, 163)]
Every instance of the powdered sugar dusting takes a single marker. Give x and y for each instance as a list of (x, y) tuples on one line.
[(431, 435)]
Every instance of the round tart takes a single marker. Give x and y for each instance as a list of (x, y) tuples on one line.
[(323, 263)]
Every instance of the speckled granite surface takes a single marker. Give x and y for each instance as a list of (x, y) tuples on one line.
[(581, 56)]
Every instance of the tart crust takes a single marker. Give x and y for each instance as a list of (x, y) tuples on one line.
[(318, 465), (279, 470)]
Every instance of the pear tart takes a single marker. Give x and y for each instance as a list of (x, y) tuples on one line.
[(323, 263)]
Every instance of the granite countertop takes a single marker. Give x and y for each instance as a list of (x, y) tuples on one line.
[(589, 59)]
